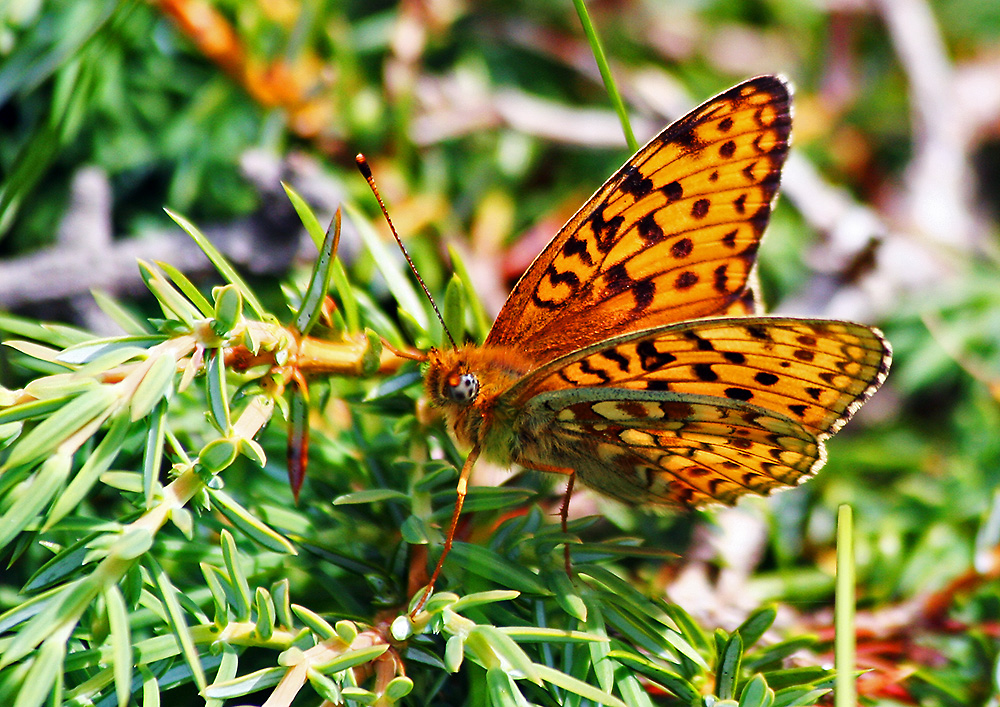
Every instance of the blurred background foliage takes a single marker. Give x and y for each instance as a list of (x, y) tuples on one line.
[(487, 126)]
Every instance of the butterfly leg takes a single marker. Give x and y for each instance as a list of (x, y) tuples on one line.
[(564, 508), (461, 490), (564, 516)]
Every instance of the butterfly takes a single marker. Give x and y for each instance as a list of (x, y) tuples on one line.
[(631, 354)]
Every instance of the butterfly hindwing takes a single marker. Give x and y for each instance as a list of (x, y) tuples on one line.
[(676, 449), (673, 235)]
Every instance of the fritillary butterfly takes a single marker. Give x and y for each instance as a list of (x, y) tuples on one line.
[(631, 354)]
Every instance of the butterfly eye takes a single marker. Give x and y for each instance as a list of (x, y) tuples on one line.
[(462, 387)]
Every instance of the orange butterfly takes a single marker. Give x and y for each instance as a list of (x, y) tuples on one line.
[(631, 354)]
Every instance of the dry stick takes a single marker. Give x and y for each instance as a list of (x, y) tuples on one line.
[(939, 174)]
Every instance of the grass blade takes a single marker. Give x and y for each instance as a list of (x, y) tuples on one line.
[(219, 261), (609, 81), (319, 280), (844, 642)]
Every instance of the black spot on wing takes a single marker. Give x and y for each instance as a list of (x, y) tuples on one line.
[(606, 231), (598, 373), (556, 278), (577, 247), (644, 292), (682, 248), (650, 359), (704, 372), (614, 356), (563, 278), (636, 184), (749, 254), (757, 332), (759, 220), (702, 343), (649, 230), (673, 191), (618, 281), (714, 484), (686, 280), (721, 279), (544, 303)]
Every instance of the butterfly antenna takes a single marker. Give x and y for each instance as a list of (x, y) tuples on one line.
[(366, 172)]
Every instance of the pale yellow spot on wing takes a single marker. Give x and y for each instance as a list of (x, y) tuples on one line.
[(637, 438)]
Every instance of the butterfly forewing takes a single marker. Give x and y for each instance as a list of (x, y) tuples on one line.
[(672, 236)]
